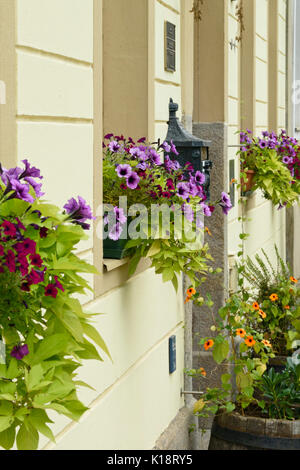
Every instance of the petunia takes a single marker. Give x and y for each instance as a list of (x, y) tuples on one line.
[(225, 203), (36, 260), (36, 186), (11, 261), (22, 191), (166, 147), (120, 215), (58, 284), (19, 352), (9, 229), (133, 180), (116, 231), (51, 291), (182, 190), (174, 149), (206, 209), (114, 146), (30, 171), (26, 247), (123, 171), (199, 177)]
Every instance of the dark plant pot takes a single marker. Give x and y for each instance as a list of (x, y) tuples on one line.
[(247, 186), (236, 432), (114, 249)]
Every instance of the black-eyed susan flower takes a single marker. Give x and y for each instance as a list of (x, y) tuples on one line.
[(241, 332), (191, 291), (202, 372), (293, 279), (250, 341), (266, 343), (273, 297), (255, 305), (208, 344), (262, 313)]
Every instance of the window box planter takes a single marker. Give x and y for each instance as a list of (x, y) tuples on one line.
[(247, 186), (236, 432), (114, 249)]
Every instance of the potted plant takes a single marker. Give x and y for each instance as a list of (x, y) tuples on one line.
[(276, 294), (249, 332), (271, 163), (45, 331), (150, 182)]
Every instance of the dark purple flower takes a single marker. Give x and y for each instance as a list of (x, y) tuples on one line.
[(123, 171), (133, 180), (19, 352), (58, 284), (155, 157), (120, 216), (108, 136), (9, 229), (36, 260), (262, 144), (142, 140), (174, 149), (26, 247), (11, 261)]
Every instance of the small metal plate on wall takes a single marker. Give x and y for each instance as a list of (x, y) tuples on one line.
[(172, 354), (170, 47)]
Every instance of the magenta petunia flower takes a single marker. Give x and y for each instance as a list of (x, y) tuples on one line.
[(19, 352), (51, 291), (36, 260), (9, 229), (58, 284), (1, 250), (26, 247), (11, 261), (199, 177)]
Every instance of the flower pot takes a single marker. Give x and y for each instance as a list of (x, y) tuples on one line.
[(114, 249), (236, 432), (247, 186)]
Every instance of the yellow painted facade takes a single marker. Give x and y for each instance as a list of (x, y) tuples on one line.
[(67, 88)]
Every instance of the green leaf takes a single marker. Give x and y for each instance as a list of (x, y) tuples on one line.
[(94, 335), (133, 264), (27, 437), (49, 347), (168, 274), (34, 377), (6, 408), (38, 418), (7, 438), (220, 352), (5, 422), (154, 249), (13, 369)]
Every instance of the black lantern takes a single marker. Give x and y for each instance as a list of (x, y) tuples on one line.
[(191, 149)]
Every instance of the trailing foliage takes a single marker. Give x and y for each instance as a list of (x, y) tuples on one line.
[(46, 332)]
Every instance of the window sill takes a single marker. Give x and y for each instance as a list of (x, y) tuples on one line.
[(115, 272), (111, 264)]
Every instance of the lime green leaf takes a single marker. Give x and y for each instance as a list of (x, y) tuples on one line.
[(94, 334), (220, 352), (7, 438), (5, 422), (49, 347), (27, 437)]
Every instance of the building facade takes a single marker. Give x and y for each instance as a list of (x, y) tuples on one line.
[(75, 70)]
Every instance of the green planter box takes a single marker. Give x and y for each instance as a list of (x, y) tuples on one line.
[(114, 249)]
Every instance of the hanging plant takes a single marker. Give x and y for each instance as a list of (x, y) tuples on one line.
[(274, 159), (43, 327)]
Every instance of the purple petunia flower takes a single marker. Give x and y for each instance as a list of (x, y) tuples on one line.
[(182, 190), (123, 171), (19, 352), (30, 171), (36, 186), (225, 203), (135, 152), (120, 216), (108, 136), (79, 212), (114, 146), (287, 160), (263, 144), (10, 175), (133, 180), (116, 231), (206, 209), (199, 177), (155, 157), (188, 212), (166, 147), (174, 149), (22, 191)]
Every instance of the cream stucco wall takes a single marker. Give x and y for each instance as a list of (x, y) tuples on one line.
[(266, 225), (56, 123)]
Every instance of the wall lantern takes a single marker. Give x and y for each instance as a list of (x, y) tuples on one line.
[(191, 149)]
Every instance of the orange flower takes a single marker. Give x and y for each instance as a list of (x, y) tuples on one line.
[(250, 341), (209, 344), (292, 279), (273, 297), (240, 332), (207, 231), (232, 181), (202, 372), (255, 306), (262, 314), (287, 307), (187, 300), (191, 291), (266, 343)]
